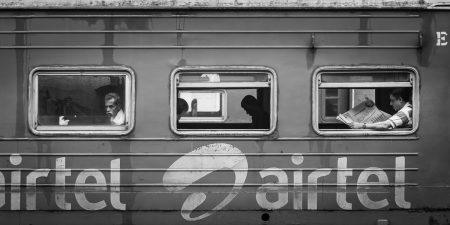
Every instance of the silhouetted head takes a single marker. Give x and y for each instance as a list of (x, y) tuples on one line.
[(250, 105), (182, 106)]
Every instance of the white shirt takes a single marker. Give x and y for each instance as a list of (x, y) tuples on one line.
[(119, 119), (403, 117)]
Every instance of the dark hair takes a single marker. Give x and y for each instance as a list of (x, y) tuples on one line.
[(182, 106), (114, 96), (248, 100), (403, 93)]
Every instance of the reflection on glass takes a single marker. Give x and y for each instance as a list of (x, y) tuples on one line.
[(331, 92), (331, 107)]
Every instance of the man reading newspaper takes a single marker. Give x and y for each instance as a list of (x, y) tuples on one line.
[(367, 116)]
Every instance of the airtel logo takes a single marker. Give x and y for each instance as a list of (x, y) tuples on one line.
[(205, 160)]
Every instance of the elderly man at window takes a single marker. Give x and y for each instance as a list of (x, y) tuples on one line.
[(114, 109)]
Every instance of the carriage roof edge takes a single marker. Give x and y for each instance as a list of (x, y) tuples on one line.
[(224, 4)]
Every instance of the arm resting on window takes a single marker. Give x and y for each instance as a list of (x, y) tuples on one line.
[(385, 125)]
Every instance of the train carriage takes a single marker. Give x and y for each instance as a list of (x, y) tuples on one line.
[(223, 112)]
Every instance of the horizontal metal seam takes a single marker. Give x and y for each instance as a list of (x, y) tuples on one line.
[(217, 155), (215, 47), (206, 169), (211, 138), (266, 185), (208, 16), (207, 31)]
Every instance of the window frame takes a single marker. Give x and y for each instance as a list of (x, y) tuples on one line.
[(415, 85), (83, 130), (217, 119), (223, 86)]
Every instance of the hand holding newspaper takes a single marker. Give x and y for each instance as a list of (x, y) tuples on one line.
[(365, 112)]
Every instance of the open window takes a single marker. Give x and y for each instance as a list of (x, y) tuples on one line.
[(232, 100), (81, 101), (336, 90)]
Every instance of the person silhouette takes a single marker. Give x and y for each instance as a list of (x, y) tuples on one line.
[(260, 119)]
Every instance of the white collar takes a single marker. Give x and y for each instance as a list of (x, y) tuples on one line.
[(119, 119)]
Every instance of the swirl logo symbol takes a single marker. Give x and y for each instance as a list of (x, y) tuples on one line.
[(198, 164)]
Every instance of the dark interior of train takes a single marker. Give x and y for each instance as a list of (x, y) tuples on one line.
[(80, 99), (247, 108)]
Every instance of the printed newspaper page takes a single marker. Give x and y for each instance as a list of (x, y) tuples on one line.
[(363, 114)]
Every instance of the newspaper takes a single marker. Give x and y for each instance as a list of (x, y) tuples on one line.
[(363, 114)]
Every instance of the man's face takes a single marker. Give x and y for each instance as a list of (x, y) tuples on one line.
[(111, 108), (396, 103)]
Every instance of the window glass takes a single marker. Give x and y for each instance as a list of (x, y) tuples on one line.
[(355, 100), (81, 99), (71, 101), (333, 103), (232, 100), (204, 106)]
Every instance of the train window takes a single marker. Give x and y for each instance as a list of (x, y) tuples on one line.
[(233, 100), (365, 100), (81, 100)]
